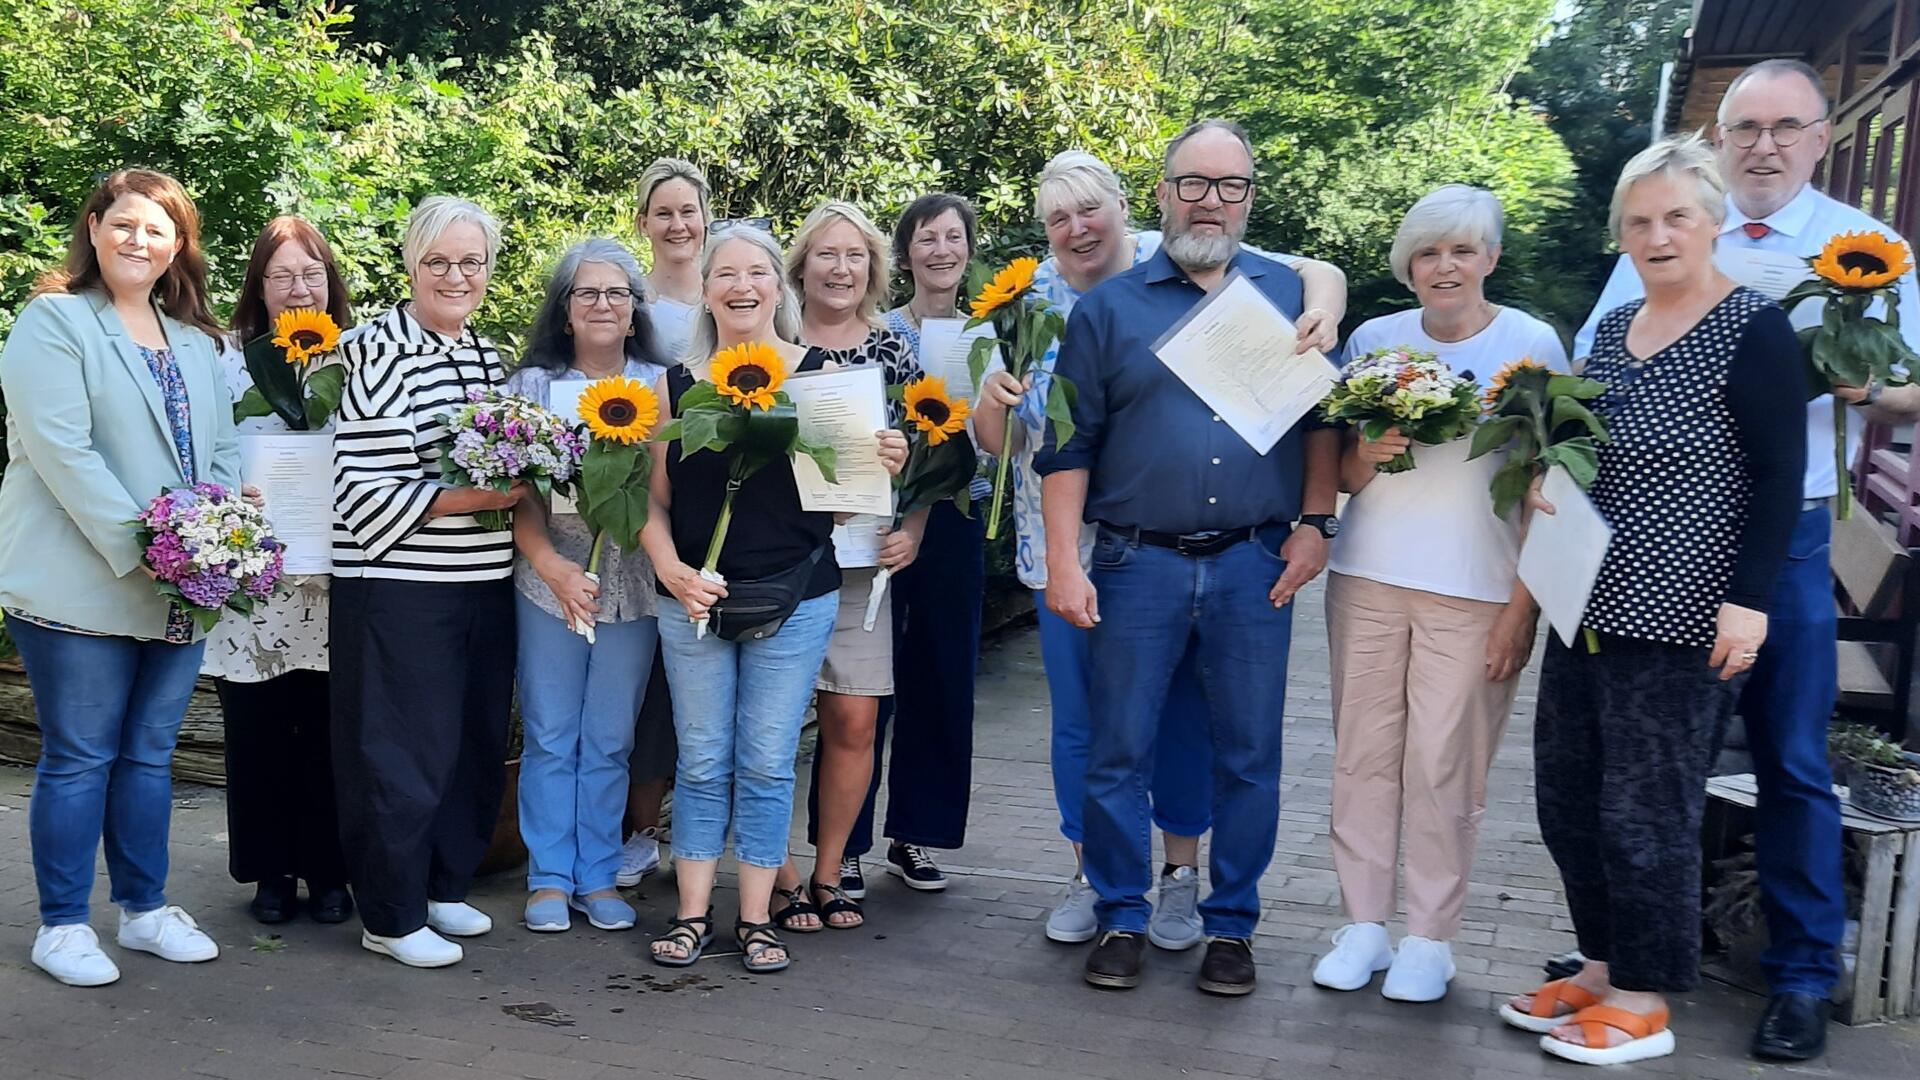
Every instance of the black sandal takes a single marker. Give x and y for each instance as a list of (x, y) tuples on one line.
[(689, 934), (797, 906), (838, 903), (755, 939)]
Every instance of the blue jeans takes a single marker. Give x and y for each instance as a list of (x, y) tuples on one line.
[(737, 710), (1787, 703), (577, 707), (1182, 763), (109, 710), (1155, 606)]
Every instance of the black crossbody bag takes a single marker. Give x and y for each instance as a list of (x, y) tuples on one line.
[(757, 607)]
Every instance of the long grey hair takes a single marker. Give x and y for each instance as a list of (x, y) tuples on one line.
[(549, 345), (705, 338)]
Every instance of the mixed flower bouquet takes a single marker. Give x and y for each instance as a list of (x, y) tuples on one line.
[(740, 410), (291, 375), (210, 551), (939, 465), (1541, 418), (496, 439), (620, 413), (1399, 387), (1028, 325), (1848, 345)]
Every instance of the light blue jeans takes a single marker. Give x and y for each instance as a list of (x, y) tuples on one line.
[(577, 707), (737, 709)]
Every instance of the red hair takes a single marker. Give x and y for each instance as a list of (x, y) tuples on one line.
[(250, 313), (182, 290)]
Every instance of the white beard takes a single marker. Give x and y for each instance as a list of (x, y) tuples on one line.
[(1195, 252)]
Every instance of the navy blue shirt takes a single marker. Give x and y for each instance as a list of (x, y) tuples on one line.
[(1158, 457)]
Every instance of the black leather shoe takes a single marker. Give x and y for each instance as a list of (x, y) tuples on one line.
[(1115, 962), (275, 901), (1794, 1028), (329, 903), (1228, 967)]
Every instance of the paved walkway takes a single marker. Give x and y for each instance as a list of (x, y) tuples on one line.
[(958, 984)]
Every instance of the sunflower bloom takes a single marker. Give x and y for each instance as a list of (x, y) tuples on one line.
[(305, 333), (749, 374), (932, 411), (1505, 375), (1862, 260), (1008, 285), (621, 409)]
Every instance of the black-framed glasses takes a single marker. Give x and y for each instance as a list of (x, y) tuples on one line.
[(441, 267), (1746, 134), (588, 297), (1193, 187), (282, 280)]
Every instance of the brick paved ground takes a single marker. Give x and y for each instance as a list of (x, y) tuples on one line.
[(960, 984)]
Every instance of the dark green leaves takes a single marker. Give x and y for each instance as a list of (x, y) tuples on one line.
[(612, 490)]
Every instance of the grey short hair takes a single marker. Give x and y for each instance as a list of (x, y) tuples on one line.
[(434, 216), (1677, 156), (1195, 128), (1784, 65), (1446, 212), (786, 313), (1076, 179), (878, 273), (671, 168)]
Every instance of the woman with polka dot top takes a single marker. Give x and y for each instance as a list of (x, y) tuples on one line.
[(1701, 485)]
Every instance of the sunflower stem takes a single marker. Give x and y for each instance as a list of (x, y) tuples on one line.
[(594, 552), (1843, 496), (720, 527), (1000, 482)]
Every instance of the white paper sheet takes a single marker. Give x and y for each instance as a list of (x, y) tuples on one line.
[(944, 345), (1772, 273), (1235, 350), (1562, 555), (294, 471), (856, 541), (843, 409), (563, 400)]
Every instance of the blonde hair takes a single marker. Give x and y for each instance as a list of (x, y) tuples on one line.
[(1677, 156), (1076, 179), (705, 337), (438, 213), (1446, 212), (663, 170), (823, 218)]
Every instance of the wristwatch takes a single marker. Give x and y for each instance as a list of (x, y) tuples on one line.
[(1327, 524)]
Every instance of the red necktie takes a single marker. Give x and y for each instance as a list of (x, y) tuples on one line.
[(1756, 230)]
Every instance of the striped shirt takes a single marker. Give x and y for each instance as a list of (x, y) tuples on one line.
[(405, 381)]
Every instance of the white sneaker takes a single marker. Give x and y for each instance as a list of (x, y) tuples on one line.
[(1359, 950), (1421, 969), (639, 856), (72, 955), (1072, 920), (168, 933), (422, 949), (457, 919)]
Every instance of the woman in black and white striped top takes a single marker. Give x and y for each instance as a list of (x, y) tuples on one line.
[(422, 616)]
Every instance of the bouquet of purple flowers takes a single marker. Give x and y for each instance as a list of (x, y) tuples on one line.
[(496, 439), (210, 551)]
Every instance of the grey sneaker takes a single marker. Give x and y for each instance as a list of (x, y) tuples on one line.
[(1176, 918), (1072, 921)]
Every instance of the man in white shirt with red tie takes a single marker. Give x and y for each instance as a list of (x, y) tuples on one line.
[(1773, 130)]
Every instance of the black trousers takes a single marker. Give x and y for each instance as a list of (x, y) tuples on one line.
[(281, 817), (1623, 743), (936, 654), (422, 680)]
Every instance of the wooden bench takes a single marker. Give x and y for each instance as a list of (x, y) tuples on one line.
[(1878, 596)]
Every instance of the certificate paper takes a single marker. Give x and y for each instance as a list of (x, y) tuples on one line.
[(944, 345), (1771, 273), (295, 472), (856, 541), (843, 408), (1561, 558), (1235, 350), (563, 400)]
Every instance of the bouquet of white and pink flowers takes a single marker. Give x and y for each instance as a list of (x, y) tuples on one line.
[(210, 551), (496, 439), (1399, 387)]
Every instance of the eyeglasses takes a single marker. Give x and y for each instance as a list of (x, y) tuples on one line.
[(614, 297), (720, 225), (1193, 187), (1746, 134), (440, 267), (282, 280)]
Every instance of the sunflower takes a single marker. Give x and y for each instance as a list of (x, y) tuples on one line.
[(932, 411), (1007, 285), (1505, 375), (1862, 260), (620, 409), (748, 374), (305, 333)]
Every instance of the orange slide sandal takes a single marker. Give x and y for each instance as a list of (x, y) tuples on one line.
[(1546, 1013), (1651, 1038)]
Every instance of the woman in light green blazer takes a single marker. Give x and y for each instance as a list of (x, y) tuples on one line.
[(113, 396)]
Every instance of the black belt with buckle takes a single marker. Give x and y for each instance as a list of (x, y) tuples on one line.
[(1194, 544)]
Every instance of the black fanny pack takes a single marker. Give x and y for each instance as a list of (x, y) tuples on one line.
[(758, 607)]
